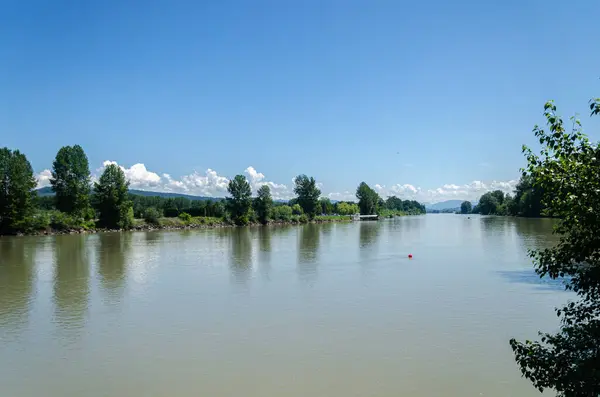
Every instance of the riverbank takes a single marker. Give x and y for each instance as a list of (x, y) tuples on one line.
[(179, 224)]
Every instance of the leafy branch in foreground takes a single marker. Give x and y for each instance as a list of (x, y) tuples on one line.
[(567, 171)]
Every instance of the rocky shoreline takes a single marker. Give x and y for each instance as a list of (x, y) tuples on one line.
[(150, 228)]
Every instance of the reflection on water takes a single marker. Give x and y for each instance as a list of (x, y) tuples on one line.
[(529, 276), (264, 252), (308, 243), (534, 235), (71, 280), (153, 312), (240, 255), (308, 250), (113, 250), (16, 282), (368, 233), (152, 237)]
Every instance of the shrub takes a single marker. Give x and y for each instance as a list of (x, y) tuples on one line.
[(303, 218), (61, 221), (185, 217), (40, 220), (282, 213), (152, 216), (90, 214), (297, 210)]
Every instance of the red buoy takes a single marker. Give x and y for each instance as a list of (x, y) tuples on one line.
[(409, 256)]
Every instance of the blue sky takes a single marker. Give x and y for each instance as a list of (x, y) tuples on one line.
[(430, 100)]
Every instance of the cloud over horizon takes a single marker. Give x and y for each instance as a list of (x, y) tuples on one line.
[(211, 184)]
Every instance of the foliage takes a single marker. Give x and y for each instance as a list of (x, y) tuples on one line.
[(526, 202), (308, 194), (71, 181), (303, 218), (489, 203), (44, 202), (368, 199), (241, 199), (326, 206), (404, 207), (172, 207), (16, 191), (185, 217), (111, 199), (194, 221), (40, 220), (297, 210), (152, 216), (344, 208), (332, 218), (263, 204), (566, 173), (62, 221), (387, 213), (528, 199), (466, 207), (282, 213)]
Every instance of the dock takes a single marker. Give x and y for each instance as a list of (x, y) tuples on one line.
[(357, 217)]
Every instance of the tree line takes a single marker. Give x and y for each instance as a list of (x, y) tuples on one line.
[(107, 203), (526, 202), (370, 203)]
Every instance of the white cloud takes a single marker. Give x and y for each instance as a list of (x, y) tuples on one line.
[(256, 180), (211, 184), (43, 178), (137, 175), (405, 191), (469, 191), (343, 196)]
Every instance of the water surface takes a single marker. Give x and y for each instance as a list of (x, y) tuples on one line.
[(321, 310)]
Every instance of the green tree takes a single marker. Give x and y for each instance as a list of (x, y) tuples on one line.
[(111, 199), (263, 204), (71, 181), (297, 210), (566, 171), (152, 216), (308, 194), (466, 207), (241, 199), (368, 199), (394, 203), (499, 195), (16, 191), (344, 208), (504, 208), (488, 204), (282, 213), (326, 206), (528, 198)]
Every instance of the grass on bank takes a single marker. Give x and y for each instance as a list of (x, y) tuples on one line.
[(199, 221), (56, 221)]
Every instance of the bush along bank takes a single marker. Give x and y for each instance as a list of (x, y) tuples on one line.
[(75, 204), (178, 224)]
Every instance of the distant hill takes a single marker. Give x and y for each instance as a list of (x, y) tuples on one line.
[(171, 195), (47, 191), (446, 205)]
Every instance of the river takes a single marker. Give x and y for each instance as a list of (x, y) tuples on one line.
[(315, 310)]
